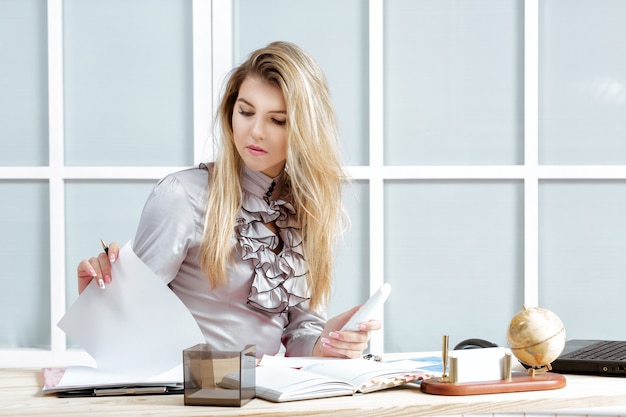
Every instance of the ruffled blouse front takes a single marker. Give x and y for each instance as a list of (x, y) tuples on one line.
[(169, 241), (279, 280)]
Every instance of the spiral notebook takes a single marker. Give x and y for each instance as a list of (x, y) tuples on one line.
[(592, 357)]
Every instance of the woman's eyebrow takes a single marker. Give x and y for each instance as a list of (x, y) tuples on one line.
[(252, 105), (245, 101)]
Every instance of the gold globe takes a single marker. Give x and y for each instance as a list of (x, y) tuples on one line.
[(536, 337)]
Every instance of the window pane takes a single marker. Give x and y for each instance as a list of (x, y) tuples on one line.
[(335, 33), (454, 255), (581, 255), (23, 83), (351, 280), (128, 82), (582, 82), (25, 264), (108, 210), (453, 82)]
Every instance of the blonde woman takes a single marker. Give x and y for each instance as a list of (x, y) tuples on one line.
[(246, 242)]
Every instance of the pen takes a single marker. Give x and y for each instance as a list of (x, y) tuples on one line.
[(444, 357), (372, 357), (104, 246), (106, 250)]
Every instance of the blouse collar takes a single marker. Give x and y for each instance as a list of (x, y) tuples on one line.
[(257, 183)]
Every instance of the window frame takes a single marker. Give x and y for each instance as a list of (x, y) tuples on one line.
[(212, 59)]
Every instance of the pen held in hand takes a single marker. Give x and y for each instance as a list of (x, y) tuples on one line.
[(105, 247), (106, 250)]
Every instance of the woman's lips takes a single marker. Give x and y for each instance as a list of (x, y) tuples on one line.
[(256, 151)]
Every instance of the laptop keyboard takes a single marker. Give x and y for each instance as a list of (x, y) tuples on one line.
[(611, 350)]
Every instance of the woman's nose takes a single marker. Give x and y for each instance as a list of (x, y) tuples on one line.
[(258, 130)]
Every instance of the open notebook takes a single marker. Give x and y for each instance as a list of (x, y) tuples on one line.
[(291, 379), (592, 357)]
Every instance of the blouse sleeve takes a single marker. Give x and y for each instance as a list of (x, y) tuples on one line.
[(304, 328), (166, 228)]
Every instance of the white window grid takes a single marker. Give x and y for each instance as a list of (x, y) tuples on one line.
[(212, 59)]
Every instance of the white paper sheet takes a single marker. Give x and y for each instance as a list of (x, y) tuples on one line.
[(135, 329)]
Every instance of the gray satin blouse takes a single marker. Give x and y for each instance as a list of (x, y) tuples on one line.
[(265, 301)]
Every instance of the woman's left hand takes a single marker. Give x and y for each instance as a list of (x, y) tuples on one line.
[(344, 344)]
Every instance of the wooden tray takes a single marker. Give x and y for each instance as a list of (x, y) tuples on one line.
[(520, 381)]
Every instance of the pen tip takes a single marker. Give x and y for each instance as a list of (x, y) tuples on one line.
[(105, 246)]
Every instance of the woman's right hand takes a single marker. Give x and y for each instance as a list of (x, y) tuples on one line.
[(98, 268)]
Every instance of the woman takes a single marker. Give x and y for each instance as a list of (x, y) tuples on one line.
[(247, 241)]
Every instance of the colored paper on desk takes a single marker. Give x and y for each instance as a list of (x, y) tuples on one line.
[(432, 366), (135, 329)]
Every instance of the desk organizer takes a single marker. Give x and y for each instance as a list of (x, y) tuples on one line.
[(487, 371), (520, 381), (205, 369)]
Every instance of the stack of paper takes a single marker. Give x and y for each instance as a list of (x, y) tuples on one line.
[(135, 329)]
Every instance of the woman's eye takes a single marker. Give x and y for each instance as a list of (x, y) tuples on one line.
[(280, 122), (245, 113)]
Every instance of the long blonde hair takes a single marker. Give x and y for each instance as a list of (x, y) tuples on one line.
[(313, 168)]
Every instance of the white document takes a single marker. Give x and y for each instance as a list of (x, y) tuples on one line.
[(430, 365), (294, 361), (136, 329)]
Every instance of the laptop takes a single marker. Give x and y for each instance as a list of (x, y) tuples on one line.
[(592, 357)]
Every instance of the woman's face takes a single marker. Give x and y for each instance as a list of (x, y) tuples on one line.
[(259, 126)]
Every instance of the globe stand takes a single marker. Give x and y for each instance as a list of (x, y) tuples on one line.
[(535, 379), (541, 370)]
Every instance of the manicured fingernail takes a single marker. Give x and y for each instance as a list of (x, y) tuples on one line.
[(334, 335), (101, 284), (325, 341), (112, 258), (107, 279), (92, 272)]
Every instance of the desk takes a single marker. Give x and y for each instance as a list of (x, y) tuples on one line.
[(20, 395)]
